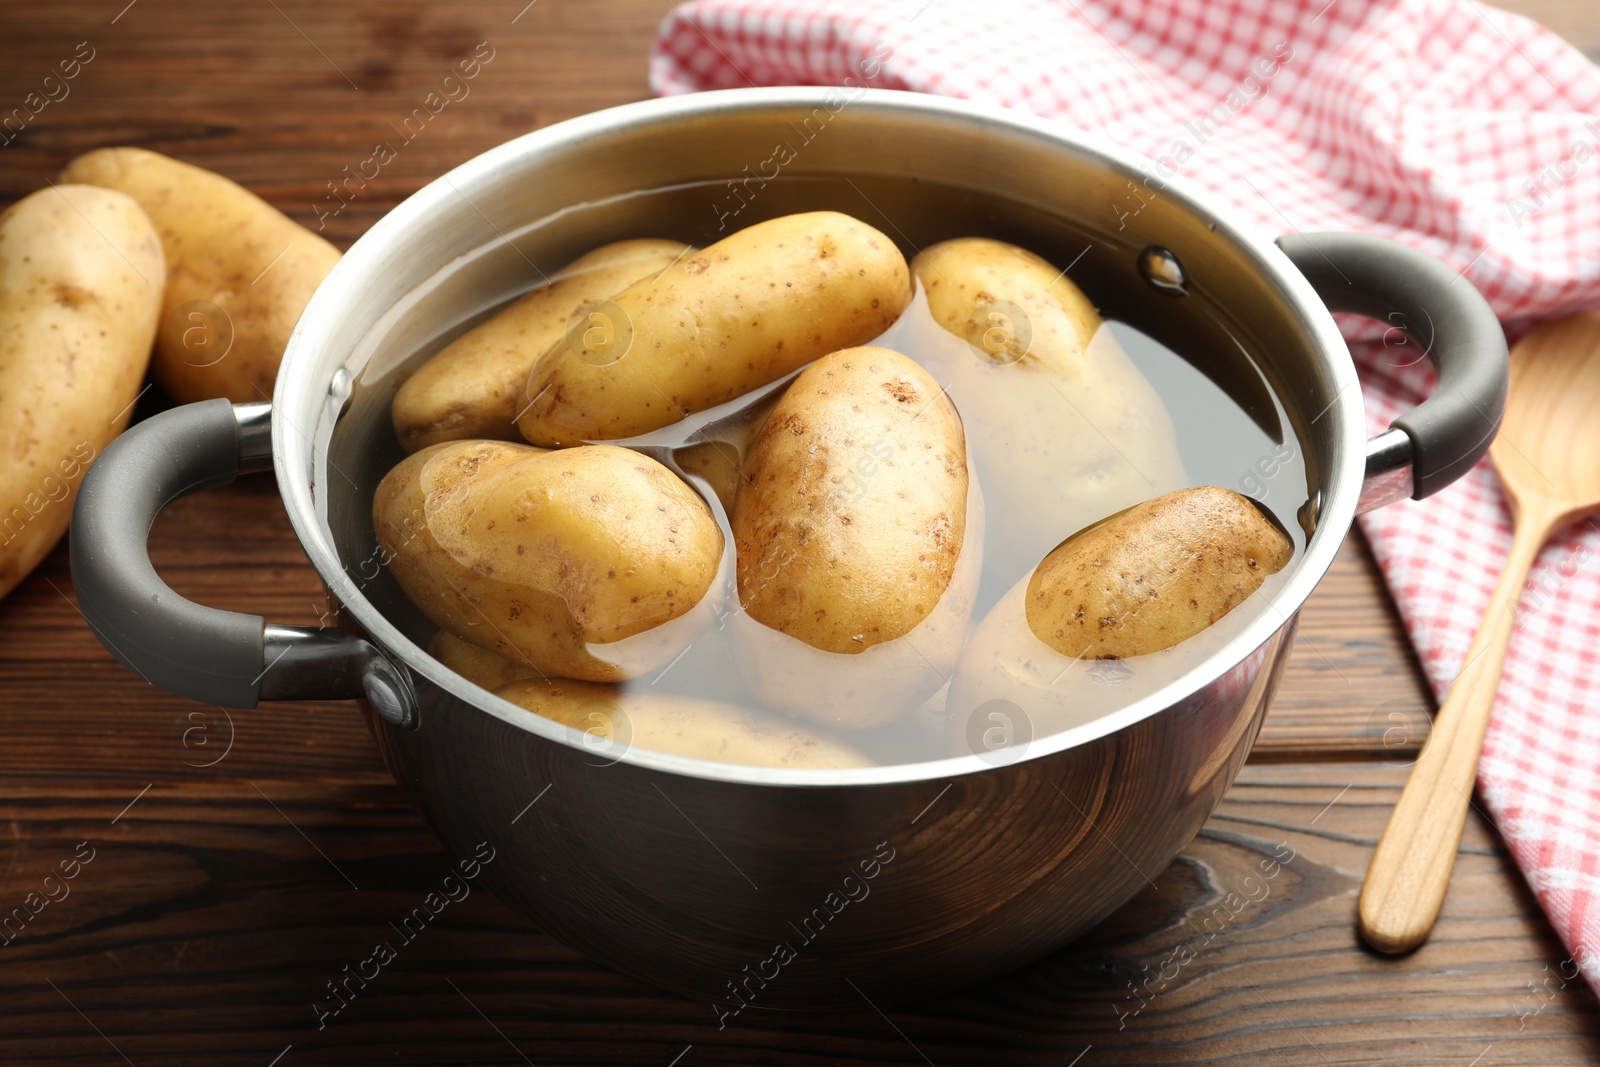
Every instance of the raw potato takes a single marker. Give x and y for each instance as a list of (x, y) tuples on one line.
[(488, 670), (719, 463), (239, 272), (80, 295), (615, 720), (594, 563), (1155, 575), (749, 309), (473, 387), (858, 537), (1064, 427), (1050, 654)]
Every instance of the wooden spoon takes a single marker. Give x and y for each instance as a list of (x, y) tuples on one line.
[(1548, 457)]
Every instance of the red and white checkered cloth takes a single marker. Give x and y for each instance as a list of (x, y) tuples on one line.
[(1464, 131)]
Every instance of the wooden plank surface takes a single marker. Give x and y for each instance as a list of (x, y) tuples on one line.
[(209, 919)]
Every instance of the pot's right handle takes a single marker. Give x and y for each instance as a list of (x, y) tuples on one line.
[(205, 654), (1441, 438)]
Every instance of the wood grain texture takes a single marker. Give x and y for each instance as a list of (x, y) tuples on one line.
[(216, 907), (211, 918)]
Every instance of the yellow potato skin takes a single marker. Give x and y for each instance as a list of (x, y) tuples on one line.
[(80, 294), (1071, 403), (718, 323), (483, 668), (473, 387), (224, 246), (619, 719), (1146, 586), (1154, 575), (962, 274), (591, 563), (853, 515)]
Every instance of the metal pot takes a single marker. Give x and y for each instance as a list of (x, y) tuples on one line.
[(736, 885)]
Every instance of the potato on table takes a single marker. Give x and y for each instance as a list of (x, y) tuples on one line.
[(617, 719), (80, 295), (1136, 585), (1064, 427), (239, 273), (718, 323), (473, 387), (858, 537), (594, 563)]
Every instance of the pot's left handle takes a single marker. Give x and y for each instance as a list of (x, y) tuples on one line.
[(205, 654)]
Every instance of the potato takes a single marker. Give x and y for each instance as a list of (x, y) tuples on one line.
[(720, 446), (1133, 587), (594, 563), (744, 312), (719, 463), (1154, 575), (239, 272), (858, 539), (614, 720), (488, 670), (1064, 427), (473, 387), (80, 296)]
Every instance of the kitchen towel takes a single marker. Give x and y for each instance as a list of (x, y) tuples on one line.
[(1452, 126)]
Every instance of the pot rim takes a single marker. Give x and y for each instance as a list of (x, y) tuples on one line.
[(293, 453)]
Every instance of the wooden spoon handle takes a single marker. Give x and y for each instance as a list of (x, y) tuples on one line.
[(1411, 866)]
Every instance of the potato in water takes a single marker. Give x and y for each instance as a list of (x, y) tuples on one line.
[(1154, 575), (472, 388), (1064, 428), (1139, 583), (716, 324), (239, 273), (615, 720), (858, 539), (490, 670), (592, 563)]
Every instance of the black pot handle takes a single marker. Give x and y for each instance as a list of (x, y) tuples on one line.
[(205, 654), (1441, 438)]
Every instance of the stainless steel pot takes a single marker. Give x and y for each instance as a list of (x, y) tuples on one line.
[(740, 885)]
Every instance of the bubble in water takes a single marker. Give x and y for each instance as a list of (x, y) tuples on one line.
[(1110, 671), (1163, 271)]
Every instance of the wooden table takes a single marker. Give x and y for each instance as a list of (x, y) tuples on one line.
[(239, 863)]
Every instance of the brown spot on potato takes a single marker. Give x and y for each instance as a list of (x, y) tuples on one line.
[(902, 390)]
